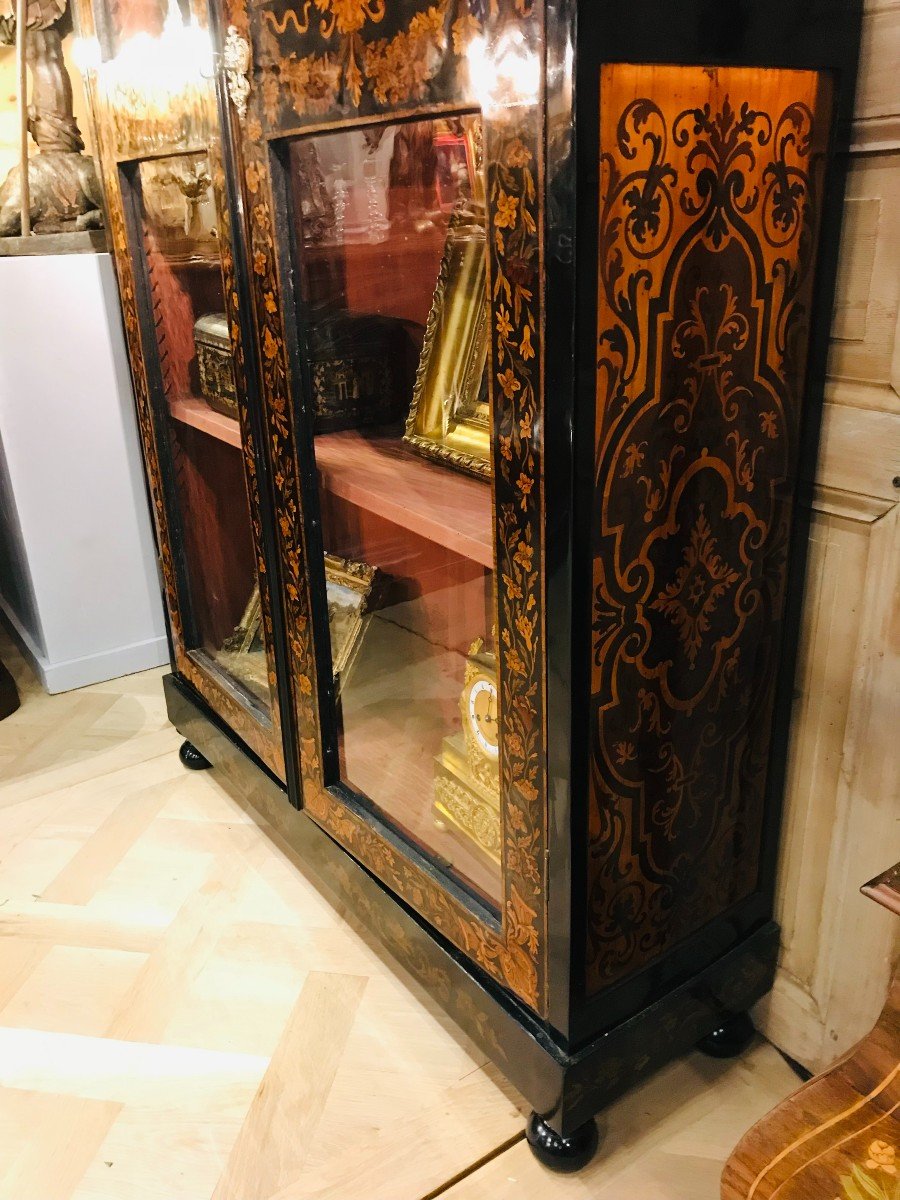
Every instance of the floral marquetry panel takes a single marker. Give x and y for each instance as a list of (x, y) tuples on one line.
[(709, 210), (319, 60)]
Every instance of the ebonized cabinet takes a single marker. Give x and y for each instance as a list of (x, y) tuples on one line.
[(527, 306)]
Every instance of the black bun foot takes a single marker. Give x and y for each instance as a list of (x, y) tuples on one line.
[(732, 1037), (192, 758), (561, 1153)]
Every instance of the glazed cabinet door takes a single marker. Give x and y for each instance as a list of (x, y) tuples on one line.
[(391, 160), (155, 99)]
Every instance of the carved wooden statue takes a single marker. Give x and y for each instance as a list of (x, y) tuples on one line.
[(64, 190)]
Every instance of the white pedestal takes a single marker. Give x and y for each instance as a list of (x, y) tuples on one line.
[(78, 574)]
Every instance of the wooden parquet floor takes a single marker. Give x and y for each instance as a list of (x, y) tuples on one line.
[(184, 1017)]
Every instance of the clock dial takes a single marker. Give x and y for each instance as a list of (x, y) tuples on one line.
[(482, 712)]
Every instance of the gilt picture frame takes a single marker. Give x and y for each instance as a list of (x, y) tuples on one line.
[(449, 417), (349, 588)]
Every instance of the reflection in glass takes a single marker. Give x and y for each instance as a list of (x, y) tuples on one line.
[(390, 258), (130, 19), (188, 302), (156, 77)]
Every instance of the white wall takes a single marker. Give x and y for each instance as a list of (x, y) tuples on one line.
[(79, 578)]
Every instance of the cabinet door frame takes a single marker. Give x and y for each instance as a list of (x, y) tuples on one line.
[(119, 152), (510, 947)]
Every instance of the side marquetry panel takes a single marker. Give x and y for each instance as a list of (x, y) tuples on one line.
[(709, 208)]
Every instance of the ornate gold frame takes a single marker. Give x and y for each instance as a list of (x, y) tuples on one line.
[(247, 632), (357, 578), (450, 414)]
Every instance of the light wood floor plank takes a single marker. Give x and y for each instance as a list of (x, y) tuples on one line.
[(164, 1152), (71, 812), (410, 1155), (56, 740), (285, 1112), (82, 875), (142, 1075), (19, 958), (183, 1013), (50, 1167), (70, 927), (86, 766), (147, 1007), (73, 989)]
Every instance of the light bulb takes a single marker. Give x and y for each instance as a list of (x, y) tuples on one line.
[(504, 74), (86, 54)]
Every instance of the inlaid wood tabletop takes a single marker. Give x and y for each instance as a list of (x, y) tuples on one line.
[(839, 1135), (183, 1016)]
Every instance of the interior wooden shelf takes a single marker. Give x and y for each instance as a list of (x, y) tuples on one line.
[(383, 476), (199, 415), (380, 474)]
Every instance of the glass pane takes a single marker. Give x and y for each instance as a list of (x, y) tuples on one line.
[(390, 248), (188, 300)]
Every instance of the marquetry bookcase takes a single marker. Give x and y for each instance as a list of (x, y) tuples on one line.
[(478, 351)]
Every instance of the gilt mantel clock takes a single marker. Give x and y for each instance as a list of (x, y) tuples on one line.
[(467, 773), (521, 311)]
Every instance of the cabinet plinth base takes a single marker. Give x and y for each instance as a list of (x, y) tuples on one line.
[(560, 1153), (730, 1039), (566, 1085), (192, 758)]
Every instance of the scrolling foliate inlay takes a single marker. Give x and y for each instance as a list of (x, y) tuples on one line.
[(513, 955), (130, 318), (516, 957), (709, 210)]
